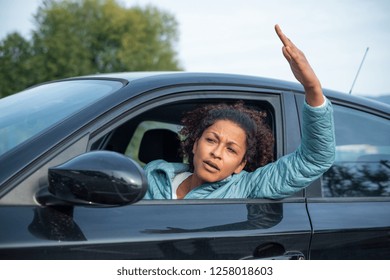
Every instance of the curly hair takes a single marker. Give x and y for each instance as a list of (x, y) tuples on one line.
[(259, 137)]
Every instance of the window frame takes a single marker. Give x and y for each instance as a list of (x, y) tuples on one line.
[(280, 102)]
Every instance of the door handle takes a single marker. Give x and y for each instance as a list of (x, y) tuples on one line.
[(274, 251), (290, 255)]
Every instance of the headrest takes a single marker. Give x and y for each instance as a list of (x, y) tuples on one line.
[(160, 144)]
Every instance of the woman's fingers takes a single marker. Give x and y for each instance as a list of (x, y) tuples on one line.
[(286, 54), (281, 35)]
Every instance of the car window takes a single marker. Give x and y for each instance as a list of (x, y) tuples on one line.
[(362, 165), (30, 112), (153, 134), (158, 128)]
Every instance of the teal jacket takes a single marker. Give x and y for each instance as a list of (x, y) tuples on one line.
[(276, 180)]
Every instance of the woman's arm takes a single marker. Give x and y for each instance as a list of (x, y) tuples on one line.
[(317, 150), (302, 70)]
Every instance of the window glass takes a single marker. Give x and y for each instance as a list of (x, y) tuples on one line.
[(362, 165), (28, 113)]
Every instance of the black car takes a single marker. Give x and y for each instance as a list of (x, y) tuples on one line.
[(71, 178)]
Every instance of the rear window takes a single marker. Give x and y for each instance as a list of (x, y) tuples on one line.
[(26, 114)]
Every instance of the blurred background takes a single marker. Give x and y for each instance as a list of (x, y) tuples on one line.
[(346, 41)]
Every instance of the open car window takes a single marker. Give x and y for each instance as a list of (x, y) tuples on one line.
[(154, 134), (129, 137)]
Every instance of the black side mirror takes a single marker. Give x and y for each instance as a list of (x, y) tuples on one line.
[(98, 178)]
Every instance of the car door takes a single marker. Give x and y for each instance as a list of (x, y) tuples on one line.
[(159, 230), (350, 213), (168, 229)]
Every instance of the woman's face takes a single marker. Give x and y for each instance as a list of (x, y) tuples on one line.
[(219, 152)]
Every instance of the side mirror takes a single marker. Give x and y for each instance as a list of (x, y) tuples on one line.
[(98, 178)]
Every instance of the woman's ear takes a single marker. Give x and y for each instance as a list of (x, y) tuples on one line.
[(195, 146)]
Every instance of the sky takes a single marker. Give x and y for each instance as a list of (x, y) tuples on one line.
[(338, 37)]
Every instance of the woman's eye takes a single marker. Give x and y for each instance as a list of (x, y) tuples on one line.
[(231, 150), (210, 140)]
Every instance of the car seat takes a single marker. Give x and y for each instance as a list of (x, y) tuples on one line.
[(160, 144)]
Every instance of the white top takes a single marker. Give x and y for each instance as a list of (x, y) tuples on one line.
[(179, 178)]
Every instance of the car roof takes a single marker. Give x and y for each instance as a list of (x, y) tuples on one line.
[(181, 77), (154, 80)]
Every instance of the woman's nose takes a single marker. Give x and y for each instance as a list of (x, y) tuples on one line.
[(217, 151)]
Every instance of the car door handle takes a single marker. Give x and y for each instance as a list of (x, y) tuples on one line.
[(290, 255), (274, 251)]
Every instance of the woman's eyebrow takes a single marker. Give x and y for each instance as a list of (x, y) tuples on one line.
[(231, 142)]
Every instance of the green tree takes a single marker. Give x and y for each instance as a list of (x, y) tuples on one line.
[(15, 64), (79, 37)]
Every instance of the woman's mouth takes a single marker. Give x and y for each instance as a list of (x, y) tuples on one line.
[(212, 165)]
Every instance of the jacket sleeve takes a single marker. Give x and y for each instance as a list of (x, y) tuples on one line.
[(158, 184), (313, 157)]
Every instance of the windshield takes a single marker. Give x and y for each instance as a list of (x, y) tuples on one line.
[(29, 112)]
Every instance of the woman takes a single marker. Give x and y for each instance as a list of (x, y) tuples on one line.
[(230, 148)]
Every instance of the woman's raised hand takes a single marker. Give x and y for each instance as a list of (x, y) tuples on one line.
[(301, 70)]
